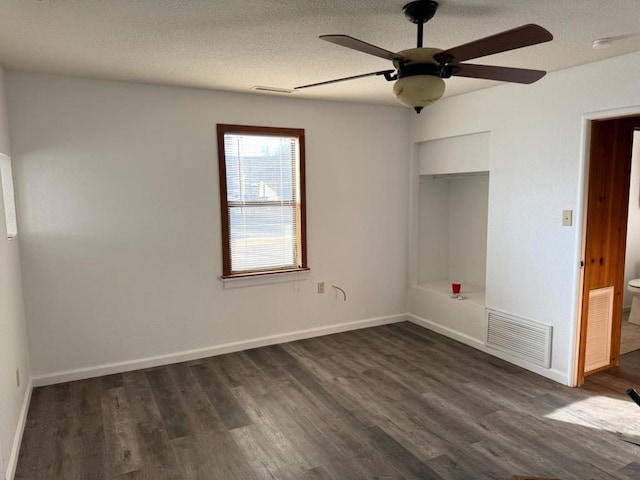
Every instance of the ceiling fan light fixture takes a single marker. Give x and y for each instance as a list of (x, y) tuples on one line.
[(418, 91)]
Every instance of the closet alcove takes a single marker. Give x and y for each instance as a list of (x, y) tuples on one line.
[(451, 229)]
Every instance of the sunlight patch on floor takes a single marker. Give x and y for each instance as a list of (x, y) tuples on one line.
[(599, 411)]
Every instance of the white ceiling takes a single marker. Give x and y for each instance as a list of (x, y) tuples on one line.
[(236, 44)]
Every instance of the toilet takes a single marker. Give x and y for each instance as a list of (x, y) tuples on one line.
[(634, 287)]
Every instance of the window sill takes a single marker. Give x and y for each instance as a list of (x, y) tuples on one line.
[(249, 280)]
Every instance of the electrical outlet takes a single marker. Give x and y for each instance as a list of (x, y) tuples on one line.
[(18, 377), (320, 287), (567, 218)]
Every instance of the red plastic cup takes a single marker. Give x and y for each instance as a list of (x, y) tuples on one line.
[(455, 288)]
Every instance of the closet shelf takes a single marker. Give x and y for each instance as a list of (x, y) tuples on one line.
[(472, 293)]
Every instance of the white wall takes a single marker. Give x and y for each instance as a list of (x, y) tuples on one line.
[(632, 254), (433, 229), (452, 217), (468, 229), (459, 154), (119, 217), (537, 170), (13, 337)]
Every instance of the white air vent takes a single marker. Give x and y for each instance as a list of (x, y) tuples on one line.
[(599, 319), (262, 88), (522, 338)]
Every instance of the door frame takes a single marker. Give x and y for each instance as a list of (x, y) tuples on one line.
[(587, 119)]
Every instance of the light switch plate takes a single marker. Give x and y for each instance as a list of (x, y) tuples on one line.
[(567, 218)]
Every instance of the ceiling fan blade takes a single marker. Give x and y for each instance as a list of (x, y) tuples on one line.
[(503, 74), (359, 45), (519, 37), (381, 72)]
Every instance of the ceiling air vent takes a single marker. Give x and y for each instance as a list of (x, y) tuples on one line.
[(260, 88)]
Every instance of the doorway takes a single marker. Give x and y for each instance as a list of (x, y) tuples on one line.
[(630, 336), (604, 244)]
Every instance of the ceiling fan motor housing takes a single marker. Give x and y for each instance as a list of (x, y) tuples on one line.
[(421, 62)]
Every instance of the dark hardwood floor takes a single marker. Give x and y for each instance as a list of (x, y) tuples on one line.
[(391, 402)]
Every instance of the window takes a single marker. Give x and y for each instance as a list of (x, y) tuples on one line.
[(7, 194), (262, 198)]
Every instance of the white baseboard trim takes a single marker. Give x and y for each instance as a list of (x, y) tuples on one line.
[(478, 344), (195, 354), (446, 331), (17, 439)]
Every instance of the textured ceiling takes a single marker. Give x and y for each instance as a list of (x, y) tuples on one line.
[(236, 44)]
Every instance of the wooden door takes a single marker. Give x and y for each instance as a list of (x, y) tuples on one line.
[(606, 229)]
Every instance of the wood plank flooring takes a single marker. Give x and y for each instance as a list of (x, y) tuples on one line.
[(391, 402)]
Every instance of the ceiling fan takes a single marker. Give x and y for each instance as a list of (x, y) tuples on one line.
[(419, 72)]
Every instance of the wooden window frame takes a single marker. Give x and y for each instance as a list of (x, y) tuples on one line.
[(301, 224)]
